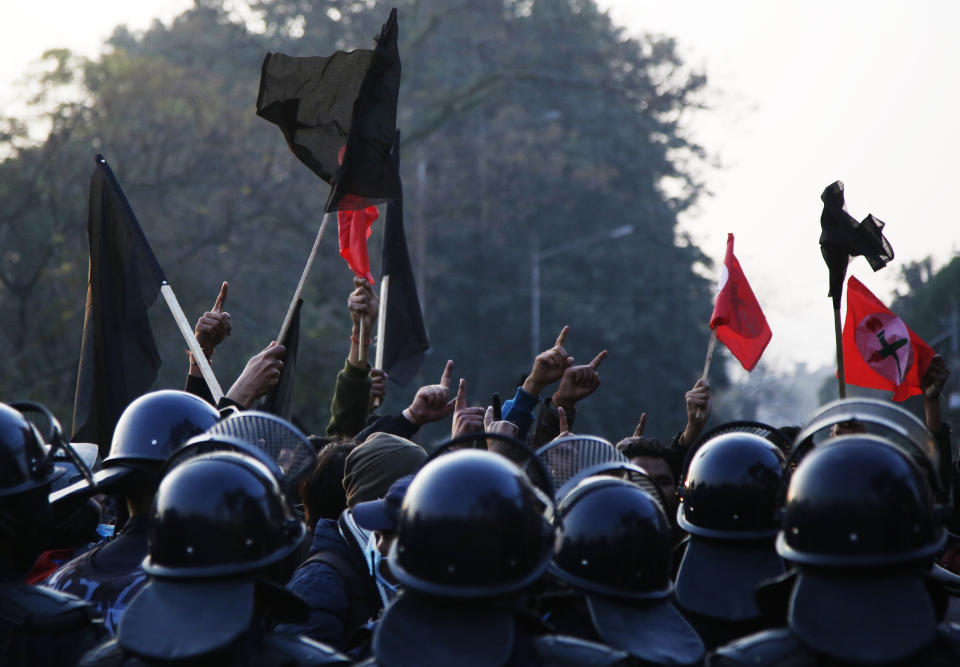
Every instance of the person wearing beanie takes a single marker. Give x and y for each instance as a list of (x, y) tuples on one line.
[(336, 579)]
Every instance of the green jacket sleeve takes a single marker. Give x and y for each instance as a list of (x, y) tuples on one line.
[(351, 400)]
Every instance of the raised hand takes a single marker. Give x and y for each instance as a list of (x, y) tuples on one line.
[(491, 425), (465, 419), (261, 374), (432, 402), (549, 366), (637, 432), (935, 378), (933, 382), (378, 386), (698, 411), (363, 304), (578, 382), (214, 325), (564, 427)]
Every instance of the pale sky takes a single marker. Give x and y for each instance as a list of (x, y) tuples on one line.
[(804, 93)]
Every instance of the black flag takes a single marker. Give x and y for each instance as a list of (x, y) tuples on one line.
[(338, 115), (118, 356), (280, 399), (842, 237), (405, 338)]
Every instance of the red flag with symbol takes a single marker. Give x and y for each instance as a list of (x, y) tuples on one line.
[(737, 317), (879, 349)]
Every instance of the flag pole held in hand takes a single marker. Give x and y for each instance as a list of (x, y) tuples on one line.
[(198, 356), (382, 320), (712, 344), (841, 379), (303, 277)]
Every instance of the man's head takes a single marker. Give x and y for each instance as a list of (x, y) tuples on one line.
[(651, 455), (322, 492), (377, 463)]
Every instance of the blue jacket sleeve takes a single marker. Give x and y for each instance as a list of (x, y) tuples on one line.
[(321, 588), (519, 410)]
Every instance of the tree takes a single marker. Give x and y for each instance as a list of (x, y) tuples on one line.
[(526, 124)]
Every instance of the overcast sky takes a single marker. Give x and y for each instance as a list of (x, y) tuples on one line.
[(804, 93)]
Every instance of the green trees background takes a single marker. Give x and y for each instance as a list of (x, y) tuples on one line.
[(526, 124)]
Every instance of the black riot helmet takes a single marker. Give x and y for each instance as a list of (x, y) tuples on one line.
[(153, 426), (217, 515), (733, 488), (859, 501), (471, 526), (24, 463), (613, 539)]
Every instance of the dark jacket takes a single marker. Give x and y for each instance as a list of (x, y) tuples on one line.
[(39, 626), (335, 584), (108, 575)]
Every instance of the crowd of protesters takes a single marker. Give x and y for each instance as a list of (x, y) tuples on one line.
[(220, 535)]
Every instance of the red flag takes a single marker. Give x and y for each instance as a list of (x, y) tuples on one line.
[(879, 350), (737, 317), (354, 227)]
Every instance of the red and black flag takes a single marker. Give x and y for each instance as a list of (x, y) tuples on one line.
[(119, 359), (879, 349), (737, 318), (338, 115), (405, 337), (842, 237)]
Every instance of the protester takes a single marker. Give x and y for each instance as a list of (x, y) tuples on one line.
[(335, 579), (322, 492), (352, 395)]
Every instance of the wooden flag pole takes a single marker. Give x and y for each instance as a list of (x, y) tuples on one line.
[(362, 345), (381, 328), (712, 344), (841, 380), (382, 320), (198, 356), (303, 279)]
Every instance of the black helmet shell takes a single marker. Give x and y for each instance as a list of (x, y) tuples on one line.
[(613, 538), (24, 464), (471, 525), (856, 501), (153, 426), (219, 514), (733, 488)]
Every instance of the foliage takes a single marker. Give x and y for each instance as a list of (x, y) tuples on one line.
[(527, 124)]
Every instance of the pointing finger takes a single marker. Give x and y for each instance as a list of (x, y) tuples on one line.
[(597, 359), (461, 395), (488, 418), (563, 420), (445, 378), (637, 432), (221, 298), (562, 338)]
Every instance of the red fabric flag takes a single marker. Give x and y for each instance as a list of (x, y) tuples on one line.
[(879, 349), (354, 227), (737, 317)]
